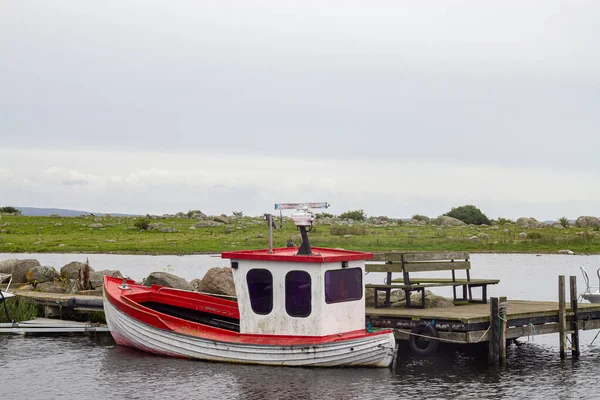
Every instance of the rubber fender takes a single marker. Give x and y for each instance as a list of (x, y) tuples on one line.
[(421, 346)]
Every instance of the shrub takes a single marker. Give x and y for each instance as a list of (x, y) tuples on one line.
[(419, 217), (357, 215), (564, 222), (534, 235), (323, 215), (142, 223), (502, 221), (10, 210), (469, 215)]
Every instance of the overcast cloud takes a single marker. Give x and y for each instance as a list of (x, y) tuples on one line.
[(395, 107)]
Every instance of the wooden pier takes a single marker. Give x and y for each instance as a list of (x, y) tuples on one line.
[(495, 322)]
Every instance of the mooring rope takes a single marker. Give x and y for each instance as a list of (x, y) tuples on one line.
[(6, 308), (442, 339)]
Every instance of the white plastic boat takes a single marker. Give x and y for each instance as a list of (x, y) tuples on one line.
[(5, 294), (592, 293)]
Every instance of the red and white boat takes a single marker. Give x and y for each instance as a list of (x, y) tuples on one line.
[(296, 306)]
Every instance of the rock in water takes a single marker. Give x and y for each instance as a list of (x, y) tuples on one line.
[(166, 279), (218, 281)]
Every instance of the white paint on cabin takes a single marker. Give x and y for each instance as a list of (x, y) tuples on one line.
[(324, 319)]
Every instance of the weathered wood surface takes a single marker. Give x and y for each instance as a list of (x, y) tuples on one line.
[(448, 280), (396, 267), (424, 256), (562, 314), (436, 266), (473, 313)]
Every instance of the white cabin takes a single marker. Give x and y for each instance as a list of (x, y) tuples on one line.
[(283, 293)]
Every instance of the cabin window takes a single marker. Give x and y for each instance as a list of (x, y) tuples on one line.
[(298, 294), (343, 285), (260, 289)]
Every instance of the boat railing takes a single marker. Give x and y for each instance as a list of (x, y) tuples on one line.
[(586, 279), (4, 277)]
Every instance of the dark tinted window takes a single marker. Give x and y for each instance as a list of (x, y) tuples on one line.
[(260, 289), (343, 285), (297, 294)]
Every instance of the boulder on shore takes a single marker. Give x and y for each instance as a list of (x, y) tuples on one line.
[(71, 270), (218, 281), (42, 274), (21, 267), (97, 277), (166, 279)]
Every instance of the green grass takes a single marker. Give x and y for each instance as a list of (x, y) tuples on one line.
[(73, 235), (19, 309)]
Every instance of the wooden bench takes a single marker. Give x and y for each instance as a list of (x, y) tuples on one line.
[(396, 262)]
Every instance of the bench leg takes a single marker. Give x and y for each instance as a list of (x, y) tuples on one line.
[(407, 296)]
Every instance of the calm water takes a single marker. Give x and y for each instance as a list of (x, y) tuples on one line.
[(93, 368)]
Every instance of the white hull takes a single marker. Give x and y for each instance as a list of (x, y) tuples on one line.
[(591, 297), (372, 351)]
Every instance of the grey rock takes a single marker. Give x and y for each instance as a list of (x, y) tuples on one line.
[(97, 277), (168, 229), (221, 218), (218, 281), (19, 274), (565, 252), (42, 274), (525, 222), (523, 235), (445, 220), (96, 226), (7, 266), (71, 270), (196, 284), (587, 222), (483, 236), (166, 279), (155, 226), (196, 214)]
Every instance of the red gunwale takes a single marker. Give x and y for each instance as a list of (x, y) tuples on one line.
[(290, 254), (126, 302)]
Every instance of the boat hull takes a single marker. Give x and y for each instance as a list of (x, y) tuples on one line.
[(591, 297), (370, 350)]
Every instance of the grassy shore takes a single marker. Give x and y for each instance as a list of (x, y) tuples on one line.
[(119, 235)]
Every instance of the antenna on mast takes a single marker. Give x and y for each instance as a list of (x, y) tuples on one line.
[(303, 219)]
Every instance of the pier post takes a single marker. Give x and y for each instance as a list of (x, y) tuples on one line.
[(493, 341), (562, 315), (270, 222), (502, 313), (575, 335)]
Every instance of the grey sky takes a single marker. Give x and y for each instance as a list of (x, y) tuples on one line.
[(395, 107)]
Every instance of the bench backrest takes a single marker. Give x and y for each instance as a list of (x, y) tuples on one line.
[(420, 262)]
